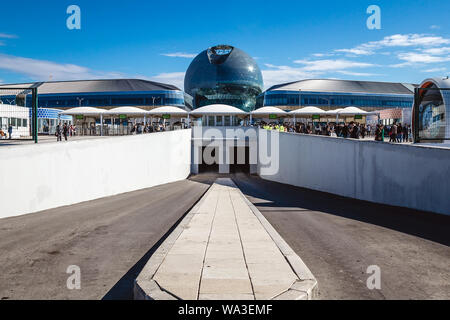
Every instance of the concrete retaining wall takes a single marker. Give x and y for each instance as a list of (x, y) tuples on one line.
[(416, 177), (50, 175)]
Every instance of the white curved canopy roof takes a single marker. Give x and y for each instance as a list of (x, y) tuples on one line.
[(265, 111), (333, 112), (307, 111), (352, 111), (174, 111), (218, 109), (131, 111), (88, 111)]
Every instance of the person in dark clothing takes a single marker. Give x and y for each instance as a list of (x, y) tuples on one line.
[(345, 131), (355, 132), (58, 132), (393, 133), (378, 133), (10, 129), (405, 133), (363, 131), (399, 133), (65, 131)]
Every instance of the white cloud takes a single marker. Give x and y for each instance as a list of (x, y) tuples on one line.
[(45, 70), (413, 58), (434, 70), (356, 51), (397, 40), (437, 51), (310, 69), (321, 55), (359, 74), (42, 70), (8, 36), (406, 40), (435, 27), (173, 78), (180, 55), (282, 74), (331, 65)]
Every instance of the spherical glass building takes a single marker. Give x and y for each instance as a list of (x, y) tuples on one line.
[(224, 75)]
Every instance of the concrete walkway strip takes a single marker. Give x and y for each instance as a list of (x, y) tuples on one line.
[(224, 249)]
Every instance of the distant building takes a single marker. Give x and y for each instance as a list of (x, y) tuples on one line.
[(16, 117), (224, 75), (103, 94), (329, 94), (20, 120)]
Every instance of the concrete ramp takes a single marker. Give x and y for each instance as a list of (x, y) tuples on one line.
[(224, 249)]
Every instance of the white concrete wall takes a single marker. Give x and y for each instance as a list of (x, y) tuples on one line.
[(416, 177), (50, 175)]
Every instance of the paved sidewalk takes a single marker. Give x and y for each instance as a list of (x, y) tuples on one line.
[(224, 252)]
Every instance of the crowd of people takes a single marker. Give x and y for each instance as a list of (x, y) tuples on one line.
[(142, 127), (354, 130), (65, 131)]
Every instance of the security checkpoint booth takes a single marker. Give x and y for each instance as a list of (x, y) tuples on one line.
[(86, 120), (352, 114), (268, 115), (90, 121), (218, 115), (120, 121), (305, 114), (172, 118), (221, 140)]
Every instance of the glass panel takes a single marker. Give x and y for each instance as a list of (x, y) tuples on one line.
[(224, 75), (219, 121), (432, 115)]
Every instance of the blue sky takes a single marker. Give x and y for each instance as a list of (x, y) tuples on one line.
[(291, 40)]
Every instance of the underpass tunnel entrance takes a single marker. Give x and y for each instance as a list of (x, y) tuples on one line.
[(206, 165), (240, 160)]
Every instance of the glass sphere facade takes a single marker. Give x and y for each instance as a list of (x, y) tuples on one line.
[(224, 75)]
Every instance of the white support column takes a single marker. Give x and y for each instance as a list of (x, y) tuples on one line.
[(101, 125)]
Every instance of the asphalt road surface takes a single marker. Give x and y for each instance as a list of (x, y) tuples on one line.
[(339, 238), (109, 239)]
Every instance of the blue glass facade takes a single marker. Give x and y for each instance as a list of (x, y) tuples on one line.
[(107, 99), (224, 75), (335, 100)]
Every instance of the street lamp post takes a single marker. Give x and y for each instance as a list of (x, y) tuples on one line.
[(300, 98), (80, 100)]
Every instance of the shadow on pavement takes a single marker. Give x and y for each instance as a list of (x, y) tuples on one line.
[(123, 289), (277, 197)]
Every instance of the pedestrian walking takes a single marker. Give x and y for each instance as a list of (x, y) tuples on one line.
[(65, 131), (399, 133), (10, 130), (393, 133), (58, 133)]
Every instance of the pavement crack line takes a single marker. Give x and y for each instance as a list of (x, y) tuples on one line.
[(242, 246), (207, 245)]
